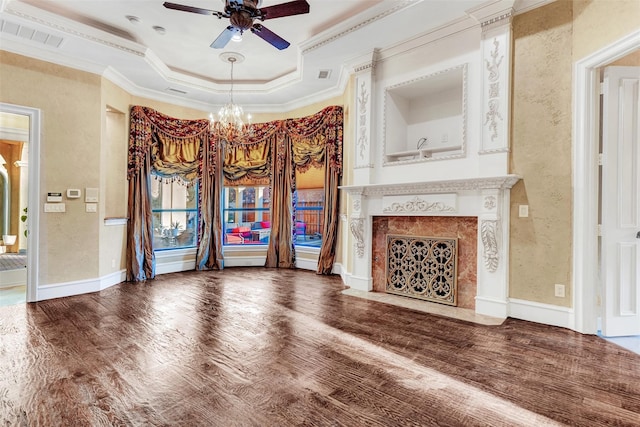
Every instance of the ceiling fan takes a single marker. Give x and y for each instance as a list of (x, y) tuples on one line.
[(242, 13)]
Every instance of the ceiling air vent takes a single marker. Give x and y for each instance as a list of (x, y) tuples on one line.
[(324, 74), (24, 32), (170, 89)]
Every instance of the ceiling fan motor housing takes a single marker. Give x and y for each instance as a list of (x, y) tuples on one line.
[(241, 20), (241, 15)]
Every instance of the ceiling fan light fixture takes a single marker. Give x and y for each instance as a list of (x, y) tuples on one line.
[(237, 37)]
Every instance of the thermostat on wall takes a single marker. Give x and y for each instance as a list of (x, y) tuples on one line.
[(73, 193)]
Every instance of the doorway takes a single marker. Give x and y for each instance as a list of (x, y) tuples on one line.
[(586, 196), (619, 205), (19, 205)]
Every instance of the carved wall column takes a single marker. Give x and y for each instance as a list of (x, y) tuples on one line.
[(364, 134), (496, 82), (359, 265), (360, 230), (493, 252)]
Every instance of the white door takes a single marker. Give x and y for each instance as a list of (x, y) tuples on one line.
[(621, 201)]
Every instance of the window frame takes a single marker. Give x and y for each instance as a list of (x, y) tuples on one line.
[(194, 210)]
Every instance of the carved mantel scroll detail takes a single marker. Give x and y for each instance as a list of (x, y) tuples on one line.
[(419, 205), (490, 244), (356, 225)]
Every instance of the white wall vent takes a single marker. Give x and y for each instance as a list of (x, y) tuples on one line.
[(21, 31), (324, 74)]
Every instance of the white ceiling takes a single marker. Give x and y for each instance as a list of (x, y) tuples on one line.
[(96, 36)]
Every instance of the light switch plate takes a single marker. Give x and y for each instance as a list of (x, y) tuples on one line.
[(91, 195), (54, 207), (91, 207)]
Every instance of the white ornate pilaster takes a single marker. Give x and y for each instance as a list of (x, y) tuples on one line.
[(496, 82), (493, 247), (364, 154), (356, 226), (360, 229), (488, 228), (357, 223)]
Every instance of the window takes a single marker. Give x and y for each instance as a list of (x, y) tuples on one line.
[(309, 200), (174, 208), (246, 212), (246, 215)]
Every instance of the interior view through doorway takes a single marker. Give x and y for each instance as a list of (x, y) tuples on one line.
[(14, 190), (19, 204), (619, 204)]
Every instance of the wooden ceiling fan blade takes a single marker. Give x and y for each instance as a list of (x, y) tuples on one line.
[(297, 7), (191, 9), (224, 37), (270, 37)]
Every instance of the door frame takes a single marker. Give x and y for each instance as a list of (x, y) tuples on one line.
[(33, 237), (586, 101)]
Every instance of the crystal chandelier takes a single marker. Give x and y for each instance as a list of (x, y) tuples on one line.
[(231, 123)]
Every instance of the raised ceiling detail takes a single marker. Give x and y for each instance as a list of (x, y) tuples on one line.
[(98, 36)]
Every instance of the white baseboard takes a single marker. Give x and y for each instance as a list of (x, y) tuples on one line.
[(166, 267), (547, 314), (59, 290), (358, 283), (338, 269), (245, 261), (491, 307), (307, 264)]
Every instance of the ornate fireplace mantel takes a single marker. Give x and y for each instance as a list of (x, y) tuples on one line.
[(486, 198), (443, 186)]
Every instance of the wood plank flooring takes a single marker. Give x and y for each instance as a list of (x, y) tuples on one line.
[(268, 347)]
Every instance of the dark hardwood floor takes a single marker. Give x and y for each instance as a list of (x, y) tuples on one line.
[(268, 347)]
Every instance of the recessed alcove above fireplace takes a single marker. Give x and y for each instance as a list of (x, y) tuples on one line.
[(475, 210), (426, 118)]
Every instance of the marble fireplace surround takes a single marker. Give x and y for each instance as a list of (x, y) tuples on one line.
[(486, 198)]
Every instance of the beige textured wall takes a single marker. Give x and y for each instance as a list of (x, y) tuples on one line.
[(541, 153), (598, 23), (113, 182), (71, 135), (547, 42)]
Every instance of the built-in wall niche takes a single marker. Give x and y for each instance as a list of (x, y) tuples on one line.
[(425, 118)]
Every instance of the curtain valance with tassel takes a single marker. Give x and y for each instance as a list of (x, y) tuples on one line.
[(176, 146)]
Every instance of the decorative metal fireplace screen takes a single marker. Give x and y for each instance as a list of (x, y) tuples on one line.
[(423, 267)]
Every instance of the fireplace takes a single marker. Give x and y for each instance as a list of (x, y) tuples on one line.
[(475, 211), (463, 229)]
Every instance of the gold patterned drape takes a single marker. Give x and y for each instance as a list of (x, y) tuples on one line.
[(309, 141), (171, 148), (185, 149), (176, 156), (248, 161)]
